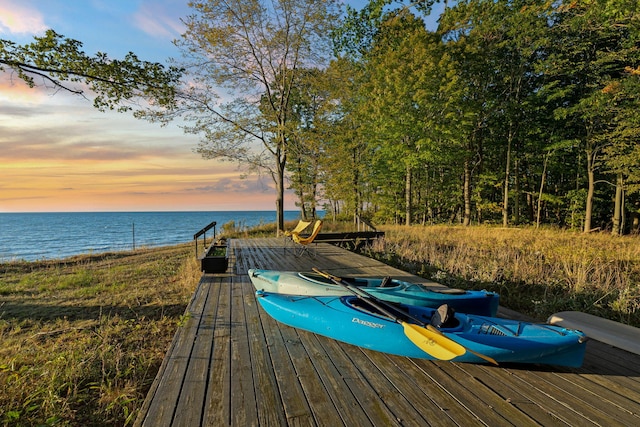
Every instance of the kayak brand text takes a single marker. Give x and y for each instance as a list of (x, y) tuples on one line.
[(367, 323)]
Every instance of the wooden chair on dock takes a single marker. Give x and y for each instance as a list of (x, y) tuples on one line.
[(304, 242)]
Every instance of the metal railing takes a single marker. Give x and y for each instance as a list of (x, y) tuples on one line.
[(203, 233)]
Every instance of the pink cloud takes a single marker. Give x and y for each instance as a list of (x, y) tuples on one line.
[(16, 18)]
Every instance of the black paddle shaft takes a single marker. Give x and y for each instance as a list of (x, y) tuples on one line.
[(376, 302)]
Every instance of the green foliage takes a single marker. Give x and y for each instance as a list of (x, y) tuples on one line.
[(58, 62), (541, 97)]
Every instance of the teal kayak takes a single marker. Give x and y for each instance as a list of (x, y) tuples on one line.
[(484, 303), (354, 320)]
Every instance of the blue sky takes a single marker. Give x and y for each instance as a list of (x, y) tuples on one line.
[(57, 153)]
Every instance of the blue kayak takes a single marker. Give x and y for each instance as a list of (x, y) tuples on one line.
[(355, 321), (484, 303)]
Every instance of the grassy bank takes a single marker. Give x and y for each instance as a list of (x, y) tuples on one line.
[(83, 338), (537, 272)]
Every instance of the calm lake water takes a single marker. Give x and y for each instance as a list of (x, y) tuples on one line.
[(33, 236)]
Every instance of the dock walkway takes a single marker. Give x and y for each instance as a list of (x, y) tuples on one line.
[(231, 364)]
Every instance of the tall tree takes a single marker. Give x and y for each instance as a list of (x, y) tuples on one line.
[(346, 163), (528, 91), (472, 52), (396, 65), (252, 51), (309, 103), (593, 43), (390, 83), (622, 155), (497, 44), (521, 31)]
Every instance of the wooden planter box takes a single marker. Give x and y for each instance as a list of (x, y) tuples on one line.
[(215, 259)]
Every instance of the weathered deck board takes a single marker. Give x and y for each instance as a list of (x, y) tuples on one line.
[(232, 364)]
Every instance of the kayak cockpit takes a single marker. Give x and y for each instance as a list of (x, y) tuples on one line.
[(385, 282), (362, 305), (443, 317)]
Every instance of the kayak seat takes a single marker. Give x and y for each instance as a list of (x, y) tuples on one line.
[(444, 317), (386, 282)]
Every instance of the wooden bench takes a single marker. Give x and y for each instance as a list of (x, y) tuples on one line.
[(350, 239), (607, 331)]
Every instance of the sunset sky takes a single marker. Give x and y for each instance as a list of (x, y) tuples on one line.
[(58, 153)]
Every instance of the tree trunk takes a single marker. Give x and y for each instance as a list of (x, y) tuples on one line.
[(542, 180), (407, 198), (590, 191), (505, 201), (516, 187), (466, 193), (279, 181), (617, 209)]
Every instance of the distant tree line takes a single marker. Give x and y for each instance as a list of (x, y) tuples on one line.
[(512, 112)]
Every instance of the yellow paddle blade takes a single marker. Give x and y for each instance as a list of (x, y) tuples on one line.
[(435, 344)]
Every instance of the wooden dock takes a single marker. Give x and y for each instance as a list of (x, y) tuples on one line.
[(231, 364)]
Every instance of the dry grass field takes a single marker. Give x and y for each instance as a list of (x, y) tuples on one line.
[(538, 272)]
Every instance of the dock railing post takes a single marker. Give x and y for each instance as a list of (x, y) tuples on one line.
[(204, 232)]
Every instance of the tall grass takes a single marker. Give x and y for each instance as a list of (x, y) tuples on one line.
[(82, 338), (536, 271)]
